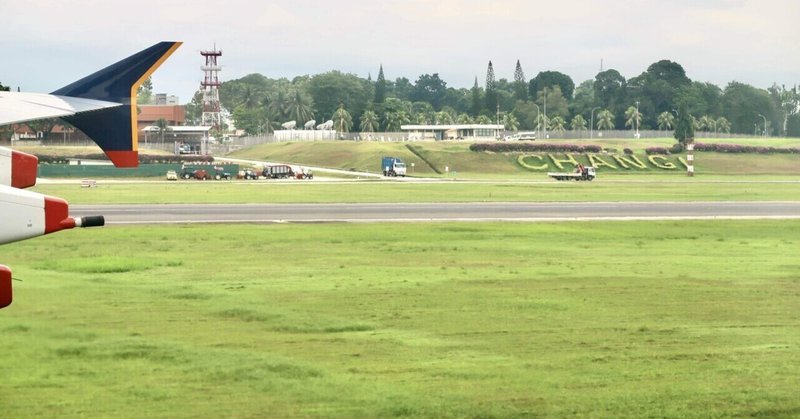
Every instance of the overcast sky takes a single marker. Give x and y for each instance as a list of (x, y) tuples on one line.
[(47, 44)]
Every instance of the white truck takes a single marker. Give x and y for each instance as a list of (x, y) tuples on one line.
[(392, 166)]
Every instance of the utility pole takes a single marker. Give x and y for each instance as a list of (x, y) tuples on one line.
[(636, 119), (497, 135), (545, 113)]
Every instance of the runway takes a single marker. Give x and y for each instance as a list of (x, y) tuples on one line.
[(392, 212)]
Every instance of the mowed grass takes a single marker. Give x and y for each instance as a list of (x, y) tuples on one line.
[(614, 189), (454, 158), (638, 319)]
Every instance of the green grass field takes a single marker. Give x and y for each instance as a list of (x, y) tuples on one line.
[(639, 319), (605, 190), (435, 159)]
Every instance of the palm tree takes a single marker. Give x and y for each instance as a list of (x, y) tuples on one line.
[(510, 122), (342, 121), (421, 119), (665, 121), (464, 119), (249, 98), (578, 123), (298, 107), (369, 121), (442, 118), (163, 126), (483, 120), (277, 105), (707, 123), (557, 124), (633, 118), (605, 120), (395, 119), (723, 125)]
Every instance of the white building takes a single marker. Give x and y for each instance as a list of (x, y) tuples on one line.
[(453, 132)]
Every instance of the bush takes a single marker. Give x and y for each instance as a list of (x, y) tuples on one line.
[(656, 150), (143, 158), (628, 151), (534, 148), (736, 148), (676, 148)]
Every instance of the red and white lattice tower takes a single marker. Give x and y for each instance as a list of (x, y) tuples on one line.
[(210, 86)]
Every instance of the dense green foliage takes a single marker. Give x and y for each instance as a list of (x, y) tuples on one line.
[(472, 320), (260, 104)]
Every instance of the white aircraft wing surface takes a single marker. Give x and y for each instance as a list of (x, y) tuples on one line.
[(21, 107)]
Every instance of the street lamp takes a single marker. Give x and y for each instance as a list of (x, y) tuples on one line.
[(538, 114), (765, 125), (545, 114), (636, 119), (591, 124)]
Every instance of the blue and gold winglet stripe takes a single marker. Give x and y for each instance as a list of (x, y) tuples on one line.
[(115, 129)]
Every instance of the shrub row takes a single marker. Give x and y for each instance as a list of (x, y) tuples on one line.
[(723, 148), (736, 148), (143, 158), (534, 148)]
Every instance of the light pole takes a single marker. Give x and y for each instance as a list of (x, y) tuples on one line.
[(545, 114), (591, 123), (765, 125), (636, 119), (538, 114)]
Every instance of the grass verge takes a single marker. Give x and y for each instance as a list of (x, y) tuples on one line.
[(607, 189), (426, 320)]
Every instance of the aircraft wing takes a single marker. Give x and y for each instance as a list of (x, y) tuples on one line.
[(16, 107)]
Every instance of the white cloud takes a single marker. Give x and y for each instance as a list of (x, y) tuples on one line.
[(53, 43)]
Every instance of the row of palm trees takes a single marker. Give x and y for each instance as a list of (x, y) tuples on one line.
[(295, 107)]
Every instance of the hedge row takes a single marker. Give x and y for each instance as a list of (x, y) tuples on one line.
[(143, 158), (534, 148), (723, 148), (736, 148)]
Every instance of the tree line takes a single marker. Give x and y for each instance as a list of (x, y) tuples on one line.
[(550, 100)]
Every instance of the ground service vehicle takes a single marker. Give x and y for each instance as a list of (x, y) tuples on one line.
[(521, 136), (172, 175), (304, 174), (278, 171), (580, 173), (392, 166), (217, 172), (248, 174)]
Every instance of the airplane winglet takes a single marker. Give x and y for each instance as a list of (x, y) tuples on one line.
[(115, 129)]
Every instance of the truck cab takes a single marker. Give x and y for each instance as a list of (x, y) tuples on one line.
[(393, 166)]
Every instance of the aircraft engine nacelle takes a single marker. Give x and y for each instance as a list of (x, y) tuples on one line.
[(27, 214), (17, 169), (5, 286)]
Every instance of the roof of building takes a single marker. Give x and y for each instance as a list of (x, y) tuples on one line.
[(174, 113), (450, 127), (179, 128)]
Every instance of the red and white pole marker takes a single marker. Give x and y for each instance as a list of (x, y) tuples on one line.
[(690, 157)]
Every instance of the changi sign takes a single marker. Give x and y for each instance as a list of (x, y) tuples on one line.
[(551, 161)]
